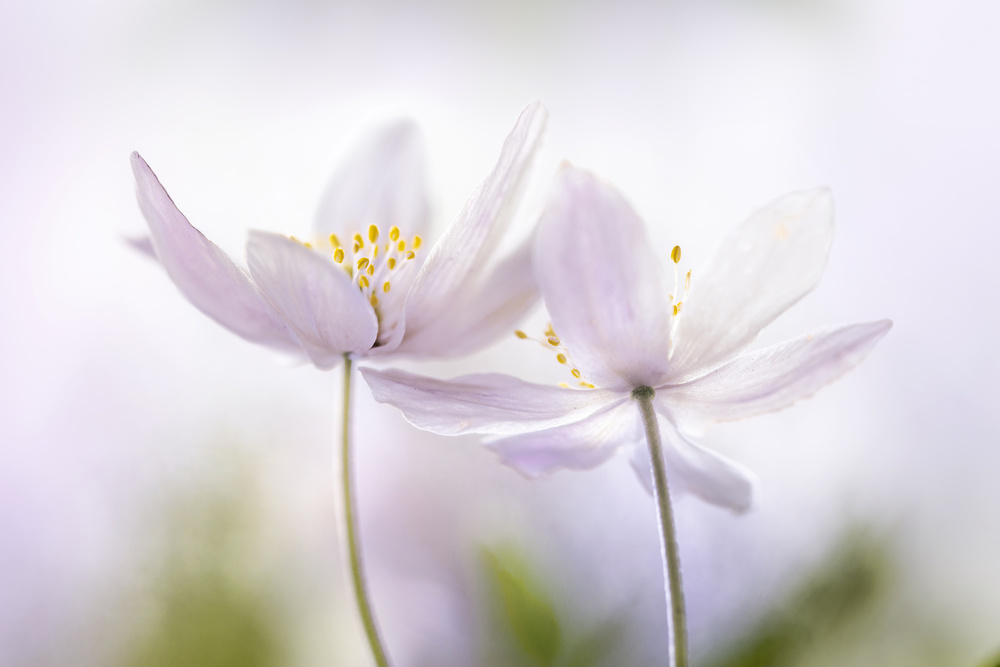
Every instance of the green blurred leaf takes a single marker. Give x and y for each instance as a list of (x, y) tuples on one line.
[(525, 607)]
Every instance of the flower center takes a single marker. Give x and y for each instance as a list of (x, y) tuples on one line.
[(382, 266), (551, 342)]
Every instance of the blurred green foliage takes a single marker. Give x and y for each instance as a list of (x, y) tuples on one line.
[(207, 611)]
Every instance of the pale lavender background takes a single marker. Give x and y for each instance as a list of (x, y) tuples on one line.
[(112, 387)]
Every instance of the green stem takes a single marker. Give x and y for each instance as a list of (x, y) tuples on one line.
[(668, 533), (353, 543)]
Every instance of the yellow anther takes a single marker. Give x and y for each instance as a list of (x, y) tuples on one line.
[(394, 233), (687, 281), (410, 254), (374, 301), (372, 233), (362, 263), (385, 286), (577, 374), (587, 385), (564, 385), (549, 331), (675, 254), (391, 263), (553, 341), (375, 252), (401, 246), (520, 334), (338, 255), (307, 244), (416, 242), (334, 241), (358, 241), (371, 269), (363, 281), (677, 308), (357, 247), (561, 358)]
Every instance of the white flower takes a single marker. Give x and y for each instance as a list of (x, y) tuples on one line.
[(619, 329), (366, 284)]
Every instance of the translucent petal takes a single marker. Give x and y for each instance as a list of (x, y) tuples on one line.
[(492, 404), (602, 283), (769, 379), (315, 297), (766, 265), (203, 272)]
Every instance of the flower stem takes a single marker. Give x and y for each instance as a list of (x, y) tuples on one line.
[(673, 587), (353, 543)]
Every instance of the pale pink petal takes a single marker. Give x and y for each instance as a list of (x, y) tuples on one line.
[(769, 379), (315, 297), (578, 446), (602, 282), (767, 264), (382, 182), (491, 310), (453, 265), (492, 404), (203, 272), (698, 471)]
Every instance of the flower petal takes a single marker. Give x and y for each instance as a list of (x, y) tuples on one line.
[(492, 404), (315, 297), (769, 379), (602, 283), (701, 472), (766, 265), (203, 272), (450, 273), (499, 300), (382, 182), (578, 446)]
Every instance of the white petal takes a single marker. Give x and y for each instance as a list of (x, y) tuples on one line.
[(466, 247), (493, 404), (314, 295), (769, 379), (499, 300), (701, 472), (382, 182), (578, 446), (203, 272), (767, 264), (602, 283)]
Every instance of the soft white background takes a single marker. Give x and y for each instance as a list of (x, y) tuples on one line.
[(113, 388)]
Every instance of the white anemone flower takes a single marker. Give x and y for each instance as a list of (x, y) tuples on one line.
[(365, 284), (621, 330)]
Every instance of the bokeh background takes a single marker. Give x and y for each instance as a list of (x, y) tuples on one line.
[(166, 494)]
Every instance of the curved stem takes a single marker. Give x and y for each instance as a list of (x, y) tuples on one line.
[(353, 543), (668, 535)]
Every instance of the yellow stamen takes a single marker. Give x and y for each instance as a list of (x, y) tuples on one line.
[(371, 269), (385, 286), (687, 281), (372, 233), (553, 341), (564, 385), (577, 374), (359, 241), (549, 331), (338, 255), (401, 246), (394, 233), (362, 263), (391, 263), (374, 301), (307, 244), (587, 385), (561, 358), (410, 254), (363, 281), (416, 242), (675, 254), (520, 334), (375, 252), (677, 308), (357, 247), (334, 241)]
